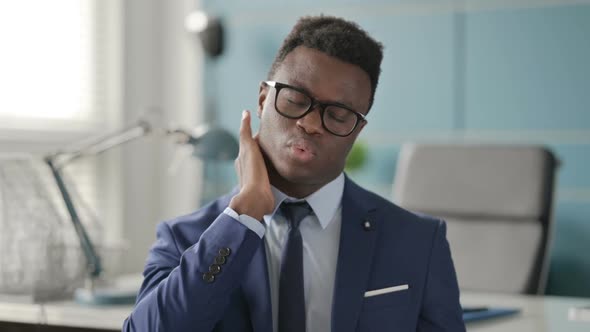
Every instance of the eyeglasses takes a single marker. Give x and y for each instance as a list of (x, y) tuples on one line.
[(294, 103)]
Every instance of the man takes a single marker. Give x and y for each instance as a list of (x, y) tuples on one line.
[(299, 246)]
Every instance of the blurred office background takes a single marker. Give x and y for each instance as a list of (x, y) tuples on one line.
[(493, 71)]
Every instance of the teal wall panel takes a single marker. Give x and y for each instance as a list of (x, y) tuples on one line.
[(416, 85), (525, 68), (575, 165)]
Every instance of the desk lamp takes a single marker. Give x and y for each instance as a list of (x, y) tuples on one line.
[(209, 143)]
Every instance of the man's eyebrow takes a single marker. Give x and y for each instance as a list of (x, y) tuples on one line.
[(297, 84)]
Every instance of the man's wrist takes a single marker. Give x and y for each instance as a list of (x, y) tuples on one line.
[(246, 204)]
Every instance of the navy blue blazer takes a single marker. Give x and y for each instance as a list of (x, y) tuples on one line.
[(400, 248)]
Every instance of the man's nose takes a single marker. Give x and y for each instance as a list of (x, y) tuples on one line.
[(312, 121)]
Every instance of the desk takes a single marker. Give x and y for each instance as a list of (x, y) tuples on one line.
[(538, 314), (67, 313)]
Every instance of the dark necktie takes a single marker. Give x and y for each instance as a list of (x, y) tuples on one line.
[(291, 295)]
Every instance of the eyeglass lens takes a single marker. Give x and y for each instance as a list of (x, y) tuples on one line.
[(293, 103)]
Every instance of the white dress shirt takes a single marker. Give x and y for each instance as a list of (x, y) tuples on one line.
[(321, 239)]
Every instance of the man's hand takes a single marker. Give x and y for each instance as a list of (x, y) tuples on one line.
[(255, 197)]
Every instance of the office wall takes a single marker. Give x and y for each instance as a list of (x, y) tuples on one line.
[(492, 71), (160, 70)]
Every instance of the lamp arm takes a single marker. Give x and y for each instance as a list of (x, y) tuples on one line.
[(140, 129), (58, 160), (92, 259)]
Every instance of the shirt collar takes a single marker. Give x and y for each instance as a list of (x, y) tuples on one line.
[(324, 202)]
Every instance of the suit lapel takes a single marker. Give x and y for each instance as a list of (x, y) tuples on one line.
[(354, 257), (256, 290)]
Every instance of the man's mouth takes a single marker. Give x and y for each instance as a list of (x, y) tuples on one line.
[(302, 150)]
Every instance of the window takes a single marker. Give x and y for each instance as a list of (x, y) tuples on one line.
[(56, 65), (59, 84)]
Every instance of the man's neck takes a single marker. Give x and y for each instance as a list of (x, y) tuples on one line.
[(295, 190)]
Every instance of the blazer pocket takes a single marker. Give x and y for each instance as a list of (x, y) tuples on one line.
[(395, 298)]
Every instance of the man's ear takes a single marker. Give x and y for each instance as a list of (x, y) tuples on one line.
[(262, 94), (361, 126)]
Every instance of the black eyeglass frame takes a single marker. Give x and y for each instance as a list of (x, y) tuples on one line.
[(314, 102)]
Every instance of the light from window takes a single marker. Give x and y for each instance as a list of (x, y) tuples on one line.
[(46, 59)]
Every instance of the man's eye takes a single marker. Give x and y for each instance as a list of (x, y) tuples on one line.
[(297, 102), (338, 116), (337, 119)]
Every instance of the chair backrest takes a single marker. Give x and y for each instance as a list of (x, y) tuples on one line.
[(497, 201)]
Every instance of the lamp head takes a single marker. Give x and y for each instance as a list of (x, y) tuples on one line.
[(209, 143)]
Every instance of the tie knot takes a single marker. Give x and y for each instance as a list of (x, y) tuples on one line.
[(295, 212)]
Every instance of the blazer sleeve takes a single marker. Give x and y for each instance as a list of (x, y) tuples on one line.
[(441, 310), (175, 295)]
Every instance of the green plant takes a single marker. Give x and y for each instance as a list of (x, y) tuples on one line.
[(357, 157)]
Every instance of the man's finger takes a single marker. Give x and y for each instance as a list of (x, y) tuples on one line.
[(245, 129)]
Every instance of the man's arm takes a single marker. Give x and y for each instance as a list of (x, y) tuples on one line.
[(441, 310), (179, 291), (177, 297)]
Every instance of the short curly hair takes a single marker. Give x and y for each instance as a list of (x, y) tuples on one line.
[(338, 38)]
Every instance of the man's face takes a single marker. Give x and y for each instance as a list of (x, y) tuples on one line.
[(301, 151)]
